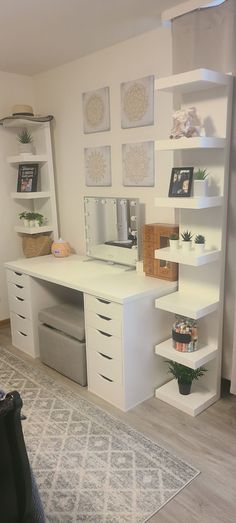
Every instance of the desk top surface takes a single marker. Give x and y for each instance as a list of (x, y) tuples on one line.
[(110, 282)]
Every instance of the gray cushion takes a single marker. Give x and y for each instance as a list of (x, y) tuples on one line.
[(68, 318)]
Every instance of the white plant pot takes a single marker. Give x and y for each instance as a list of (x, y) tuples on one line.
[(200, 188), (26, 223), (25, 148), (32, 223), (174, 244), (186, 246), (199, 248)]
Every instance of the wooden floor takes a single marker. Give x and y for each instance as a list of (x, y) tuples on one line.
[(208, 442)]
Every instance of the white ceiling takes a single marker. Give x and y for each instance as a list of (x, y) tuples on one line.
[(37, 35)]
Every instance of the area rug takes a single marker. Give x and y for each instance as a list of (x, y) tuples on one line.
[(89, 466)]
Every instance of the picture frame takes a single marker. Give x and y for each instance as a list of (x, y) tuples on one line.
[(181, 182), (27, 177)]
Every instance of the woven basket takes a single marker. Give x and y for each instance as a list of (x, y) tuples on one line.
[(36, 245)]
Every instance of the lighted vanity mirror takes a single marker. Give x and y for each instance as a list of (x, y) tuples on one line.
[(111, 226)]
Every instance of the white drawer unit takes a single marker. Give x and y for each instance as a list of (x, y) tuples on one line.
[(106, 389), (105, 366), (104, 307), (22, 336), (18, 278), (21, 324), (104, 323), (20, 306), (100, 341), (18, 290)]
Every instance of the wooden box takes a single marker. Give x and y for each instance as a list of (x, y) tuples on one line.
[(156, 236)]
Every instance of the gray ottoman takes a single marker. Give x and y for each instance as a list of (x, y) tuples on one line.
[(62, 340)]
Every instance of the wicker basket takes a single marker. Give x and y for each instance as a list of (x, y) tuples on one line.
[(36, 244)]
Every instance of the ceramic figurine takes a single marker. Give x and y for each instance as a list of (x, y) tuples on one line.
[(186, 123)]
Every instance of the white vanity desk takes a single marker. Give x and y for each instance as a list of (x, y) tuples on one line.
[(122, 324)]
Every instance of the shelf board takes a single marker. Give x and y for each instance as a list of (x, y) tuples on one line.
[(196, 80), (34, 230), (27, 158), (190, 359), (198, 400), (187, 304), (187, 258), (199, 142), (30, 195), (189, 203)]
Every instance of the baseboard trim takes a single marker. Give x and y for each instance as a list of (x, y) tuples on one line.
[(4, 322)]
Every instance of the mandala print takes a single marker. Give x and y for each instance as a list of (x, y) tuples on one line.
[(138, 164), (97, 166), (136, 102), (95, 111)]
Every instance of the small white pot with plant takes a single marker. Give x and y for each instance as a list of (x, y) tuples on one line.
[(174, 241), (199, 243), (186, 237), (25, 142), (31, 219), (200, 183)]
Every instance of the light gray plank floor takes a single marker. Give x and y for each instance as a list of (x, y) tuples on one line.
[(207, 442)]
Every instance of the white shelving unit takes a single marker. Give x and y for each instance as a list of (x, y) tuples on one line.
[(201, 276), (43, 201)]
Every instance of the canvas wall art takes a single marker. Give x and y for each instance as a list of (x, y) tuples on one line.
[(137, 102), (138, 164), (97, 166), (96, 110)]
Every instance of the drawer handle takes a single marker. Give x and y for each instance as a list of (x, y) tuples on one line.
[(105, 333), (22, 317), (105, 356), (105, 378), (18, 273), (104, 317), (103, 301), (19, 299), (22, 333), (18, 286)]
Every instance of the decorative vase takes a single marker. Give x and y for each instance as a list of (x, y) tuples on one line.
[(174, 244), (200, 188), (184, 388), (25, 148), (186, 246), (199, 247)]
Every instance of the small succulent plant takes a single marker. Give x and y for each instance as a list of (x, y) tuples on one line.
[(199, 239), (25, 136), (200, 174), (186, 236)]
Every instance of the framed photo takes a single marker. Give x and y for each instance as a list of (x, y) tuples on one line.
[(181, 182), (27, 177)]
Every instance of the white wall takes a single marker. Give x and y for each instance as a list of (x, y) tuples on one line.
[(59, 92), (14, 89)]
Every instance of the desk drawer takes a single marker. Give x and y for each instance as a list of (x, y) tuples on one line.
[(20, 306), (105, 366), (22, 336), (21, 324), (104, 307), (104, 323), (108, 390), (16, 289), (100, 341), (18, 277)]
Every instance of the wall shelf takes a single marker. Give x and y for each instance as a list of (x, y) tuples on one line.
[(34, 230), (30, 195), (191, 81), (200, 142), (189, 203), (187, 304), (190, 359), (27, 158), (187, 258), (198, 400)]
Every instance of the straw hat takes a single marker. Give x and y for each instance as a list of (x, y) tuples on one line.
[(22, 110)]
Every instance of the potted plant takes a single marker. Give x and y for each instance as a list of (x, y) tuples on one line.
[(174, 241), (186, 240), (199, 242), (185, 376), (200, 183), (25, 140), (32, 219)]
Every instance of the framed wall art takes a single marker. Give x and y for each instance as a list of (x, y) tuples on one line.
[(97, 166), (181, 182), (138, 164), (137, 102), (96, 110), (27, 177)]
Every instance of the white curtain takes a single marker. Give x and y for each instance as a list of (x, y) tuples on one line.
[(207, 38)]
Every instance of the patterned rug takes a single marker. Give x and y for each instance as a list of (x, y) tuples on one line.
[(89, 466)]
